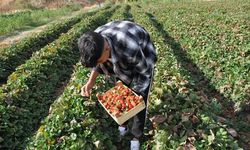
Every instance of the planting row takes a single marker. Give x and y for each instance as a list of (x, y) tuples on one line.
[(181, 116), (217, 41), (76, 122), (17, 54), (31, 88)]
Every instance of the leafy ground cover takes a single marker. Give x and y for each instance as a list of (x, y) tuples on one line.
[(200, 94), (18, 53), (207, 108), (217, 41), (179, 107), (26, 96), (76, 122)]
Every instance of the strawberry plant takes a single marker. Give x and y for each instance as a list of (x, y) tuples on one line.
[(174, 101), (77, 122), (199, 97), (30, 89)]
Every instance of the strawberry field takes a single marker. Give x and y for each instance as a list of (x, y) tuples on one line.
[(199, 98)]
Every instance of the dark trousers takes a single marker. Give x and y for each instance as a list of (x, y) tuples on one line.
[(139, 119)]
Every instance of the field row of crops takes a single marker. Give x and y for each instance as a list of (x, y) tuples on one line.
[(192, 35), (75, 122), (201, 80), (17, 54), (216, 41), (191, 116), (26, 97)]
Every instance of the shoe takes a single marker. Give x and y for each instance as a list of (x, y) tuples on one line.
[(134, 145), (122, 130)]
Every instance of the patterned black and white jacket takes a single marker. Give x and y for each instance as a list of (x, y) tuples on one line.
[(133, 55)]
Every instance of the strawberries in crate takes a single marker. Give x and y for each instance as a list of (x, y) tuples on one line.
[(119, 100)]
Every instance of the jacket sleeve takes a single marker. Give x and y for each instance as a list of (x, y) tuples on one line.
[(98, 69)]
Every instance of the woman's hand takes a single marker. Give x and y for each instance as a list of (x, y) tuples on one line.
[(86, 89)]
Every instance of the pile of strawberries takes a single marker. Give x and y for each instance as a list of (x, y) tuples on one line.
[(119, 100)]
